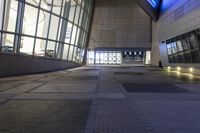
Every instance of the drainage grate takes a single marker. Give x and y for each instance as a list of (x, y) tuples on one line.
[(128, 73), (154, 88)]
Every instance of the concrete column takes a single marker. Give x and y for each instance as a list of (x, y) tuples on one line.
[(63, 29)]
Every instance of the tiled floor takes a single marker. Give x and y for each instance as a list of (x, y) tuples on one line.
[(101, 99)]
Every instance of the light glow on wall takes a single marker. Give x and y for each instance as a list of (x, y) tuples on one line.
[(154, 3)]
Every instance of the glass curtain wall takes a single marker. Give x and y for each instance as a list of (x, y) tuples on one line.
[(56, 29), (184, 48)]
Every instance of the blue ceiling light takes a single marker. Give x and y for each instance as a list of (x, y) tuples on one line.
[(154, 3)]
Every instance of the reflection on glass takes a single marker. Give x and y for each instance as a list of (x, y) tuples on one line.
[(65, 52), (72, 10), (45, 28), (70, 53)]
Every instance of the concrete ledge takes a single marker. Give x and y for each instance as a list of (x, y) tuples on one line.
[(11, 65)]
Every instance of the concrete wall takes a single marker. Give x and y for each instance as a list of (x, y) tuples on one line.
[(177, 17), (17, 65), (153, 12), (120, 23)]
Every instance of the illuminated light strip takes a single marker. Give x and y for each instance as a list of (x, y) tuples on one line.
[(153, 3)]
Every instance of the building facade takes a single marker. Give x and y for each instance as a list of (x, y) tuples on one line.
[(120, 33), (176, 34)]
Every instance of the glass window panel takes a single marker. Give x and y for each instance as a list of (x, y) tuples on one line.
[(30, 20), (65, 52), (34, 2), (11, 15), (72, 10), (81, 17), (171, 60), (83, 3), (193, 41), (77, 37), (50, 51), (68, 32), (73, 34), (53, 27), (70, 53), (78, 55), (79, 2), (188, 58), (181, 57), (198, 36), (57, 5), (185, 45), (174, 48), (77, 14), (75, 54), (46, 4), (97, 57), (179, 46), (195, 56), (40, 47), (176, 60), (43, 24), (8, 41), (26, 46)]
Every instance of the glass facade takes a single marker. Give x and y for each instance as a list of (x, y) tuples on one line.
[(104, 57), (56, 29), (118, 57), (184, 48)]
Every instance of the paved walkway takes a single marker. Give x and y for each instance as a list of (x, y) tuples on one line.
[(101, 100)]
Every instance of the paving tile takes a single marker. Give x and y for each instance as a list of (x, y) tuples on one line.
[(79, 78), (34, 116), (55, 96), (164, 96), (172, 115), (7, 85), (129, 73), (153, 88), (66, 87), (23, 88), (190, 87), (115, 116), (110, 87), (111, 95), (2, 100)]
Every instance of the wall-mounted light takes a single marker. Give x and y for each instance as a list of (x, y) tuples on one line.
[(178, 68), (191, 69), (169, 68)]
